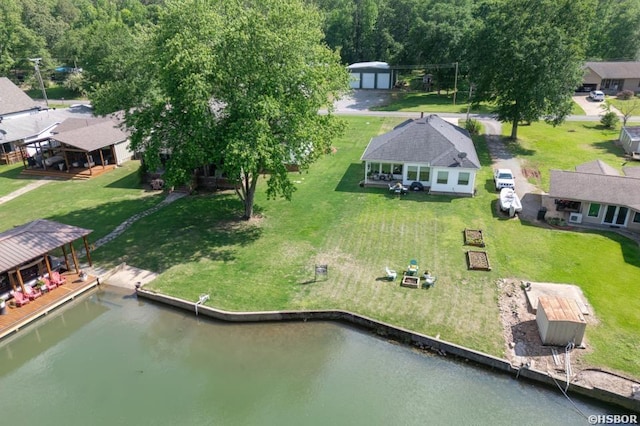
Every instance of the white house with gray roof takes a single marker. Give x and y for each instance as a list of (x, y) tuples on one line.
[(429, 150), (595, 194)]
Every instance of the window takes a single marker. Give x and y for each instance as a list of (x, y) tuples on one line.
[(636, 217), (425, 174), (463, 178), (412, 173), (594, 210), (386, 168), (397, 169), (443, 177)]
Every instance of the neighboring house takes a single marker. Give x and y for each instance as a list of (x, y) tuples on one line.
[(14, 102), (17, 131), (595, 194), (371, 75), (612, 77), (630, 141), (429, 150), (79, 144)]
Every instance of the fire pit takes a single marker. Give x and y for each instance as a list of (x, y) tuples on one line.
[(478, 260), (410, 281)]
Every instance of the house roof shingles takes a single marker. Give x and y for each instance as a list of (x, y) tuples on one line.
[(26, 242), (90, 134), (597, 167), (12, 99), (429, 140), (615, 69), (594, 187)]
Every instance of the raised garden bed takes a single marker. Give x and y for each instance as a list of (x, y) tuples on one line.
[(478, 260), (473, 237), (410, 281)]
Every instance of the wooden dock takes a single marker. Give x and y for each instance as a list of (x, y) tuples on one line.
[(18, 317)]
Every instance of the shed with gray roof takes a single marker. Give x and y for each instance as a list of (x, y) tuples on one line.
[(630, 140), (429, 150)]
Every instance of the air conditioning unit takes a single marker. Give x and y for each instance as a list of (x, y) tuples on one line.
[(575, 218)]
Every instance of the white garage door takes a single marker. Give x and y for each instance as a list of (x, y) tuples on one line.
[(368, 80), (355, 80), (383, 81)]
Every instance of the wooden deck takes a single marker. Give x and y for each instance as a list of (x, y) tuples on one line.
[(18, 317), (73, 173)]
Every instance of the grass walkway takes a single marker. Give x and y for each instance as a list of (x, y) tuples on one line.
[(200, 246)]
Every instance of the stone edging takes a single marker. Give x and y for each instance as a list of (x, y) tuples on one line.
[(398, 334)]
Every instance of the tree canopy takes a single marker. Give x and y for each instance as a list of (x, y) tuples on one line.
[(526, 57), (238, 84)]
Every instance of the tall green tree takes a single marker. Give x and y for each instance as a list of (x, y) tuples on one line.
[(239, 84), (615, 34), (526, 57)]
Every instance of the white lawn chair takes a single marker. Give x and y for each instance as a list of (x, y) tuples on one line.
[(391, 274)]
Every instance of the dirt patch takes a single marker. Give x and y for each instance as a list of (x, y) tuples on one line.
[(530, 173), (478, 260), (473, 237), (523, 345)]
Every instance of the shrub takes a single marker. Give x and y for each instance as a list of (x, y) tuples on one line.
[(472, 126), (609, 120), (625, 95)]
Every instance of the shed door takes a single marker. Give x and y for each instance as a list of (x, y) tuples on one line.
[(383, 81), (368, 80), (355, 80)]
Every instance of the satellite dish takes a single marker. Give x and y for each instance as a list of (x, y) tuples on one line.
[(462, 155)]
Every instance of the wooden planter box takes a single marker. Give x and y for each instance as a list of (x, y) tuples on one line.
[(478, 260), (410, 281), (473, 237)]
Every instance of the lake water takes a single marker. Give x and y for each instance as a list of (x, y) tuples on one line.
[(110, 359)]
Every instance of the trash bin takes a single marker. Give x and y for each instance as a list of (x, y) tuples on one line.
[(541, 213)]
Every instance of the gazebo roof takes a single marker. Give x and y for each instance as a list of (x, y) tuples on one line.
[(26, 242)]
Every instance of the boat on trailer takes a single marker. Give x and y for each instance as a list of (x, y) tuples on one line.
[(510, 202)]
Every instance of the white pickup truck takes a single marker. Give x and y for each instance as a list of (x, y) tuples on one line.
[(504, 178)]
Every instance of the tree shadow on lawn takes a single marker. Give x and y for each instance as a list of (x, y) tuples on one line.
[(610, 147), (516, 149), (188, 230)]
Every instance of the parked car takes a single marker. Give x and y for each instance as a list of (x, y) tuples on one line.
[(596, 95), (504, 179)]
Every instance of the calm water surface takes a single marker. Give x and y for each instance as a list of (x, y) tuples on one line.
[(109, 359)]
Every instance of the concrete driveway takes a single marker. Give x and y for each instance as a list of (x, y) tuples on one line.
[(590, 107)]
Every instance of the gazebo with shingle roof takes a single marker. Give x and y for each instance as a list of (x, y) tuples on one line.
[(28, 246)]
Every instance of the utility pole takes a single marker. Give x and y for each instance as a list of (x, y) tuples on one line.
[(455, 85), (469, 100), (36, 63)]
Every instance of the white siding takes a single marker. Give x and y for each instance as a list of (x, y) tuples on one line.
[(123, 152), (452, 186)]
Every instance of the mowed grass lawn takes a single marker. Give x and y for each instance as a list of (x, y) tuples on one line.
[(11, 180), (543, 147), (101, 203), (200, 247)]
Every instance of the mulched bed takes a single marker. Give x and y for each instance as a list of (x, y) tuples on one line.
[(473, 237), (478, 260)]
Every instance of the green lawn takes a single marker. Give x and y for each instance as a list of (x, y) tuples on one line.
[(55, 92), (200, 246), (543, 147), (11, 180), (432, 102), (101, 203)]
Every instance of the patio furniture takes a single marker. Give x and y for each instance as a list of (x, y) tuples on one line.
[(391, 274), (398, 188), (49, 284), (429, 280), (32, 293), (57, 279), (412, 269), (19, 299)]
